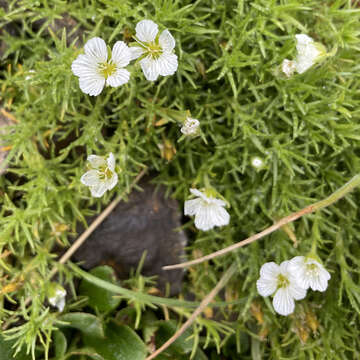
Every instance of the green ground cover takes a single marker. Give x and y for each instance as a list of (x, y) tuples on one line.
[(305, 129)]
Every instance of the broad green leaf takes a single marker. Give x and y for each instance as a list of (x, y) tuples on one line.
[(60, 344), (87, 323), (120, 343), (99, 298), (182, 345), (89, 352), (149, 325), (170, 355)]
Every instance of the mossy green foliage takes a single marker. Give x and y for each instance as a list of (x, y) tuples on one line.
[(306, 129)]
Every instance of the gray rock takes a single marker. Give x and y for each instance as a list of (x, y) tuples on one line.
[(147, 222)]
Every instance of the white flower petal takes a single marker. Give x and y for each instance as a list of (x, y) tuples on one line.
[(99, 189), (219, 216), (120, 77), (296, 262), (110, 183), (187, 130), (314, 283), (136, 52), (296, 291), (288, 67), (307, 53), (208, 213), (121, 54), (167, 64), (203, 220), (90, 178), (191, 207), (218, 202), (190, 127), (146, 30), (270, 271), (60, 304), (96, 48), (324, 277), (297, 269), (84, 65), (111, 161), (302, 280), (96, 161), (309, 273), (283, 302), (303, 63), (166, 41), (91, 85), (318, 279), (285, 267), (150, 68), (267, 284), (302, 41), (266, 288), (58, 300)]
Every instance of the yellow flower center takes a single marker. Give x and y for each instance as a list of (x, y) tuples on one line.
[(154, 50), (105, 173), (312, 270), (283, 281), (107, 69)]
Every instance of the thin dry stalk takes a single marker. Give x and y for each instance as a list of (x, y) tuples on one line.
[(206, 301), (82, 238), (338, 194)]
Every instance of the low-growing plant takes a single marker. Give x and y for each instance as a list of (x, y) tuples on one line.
[(258, 122)]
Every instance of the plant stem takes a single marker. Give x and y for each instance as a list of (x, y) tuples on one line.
[(222, 282), (338, 194)]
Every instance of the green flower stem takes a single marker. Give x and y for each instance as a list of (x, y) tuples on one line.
[(338, 194), (129, 294), (138, 296)]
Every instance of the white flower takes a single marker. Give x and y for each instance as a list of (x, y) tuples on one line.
[(208, 211), (307, 52), (288, 67), (279, 280), (57, 297), (102, 175), (94, 69), (156, 51), (190, 127), (309, 273), (257, 163)]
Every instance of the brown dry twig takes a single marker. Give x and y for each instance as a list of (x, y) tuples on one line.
[(338, 194), (81, 239), (206, 301)]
